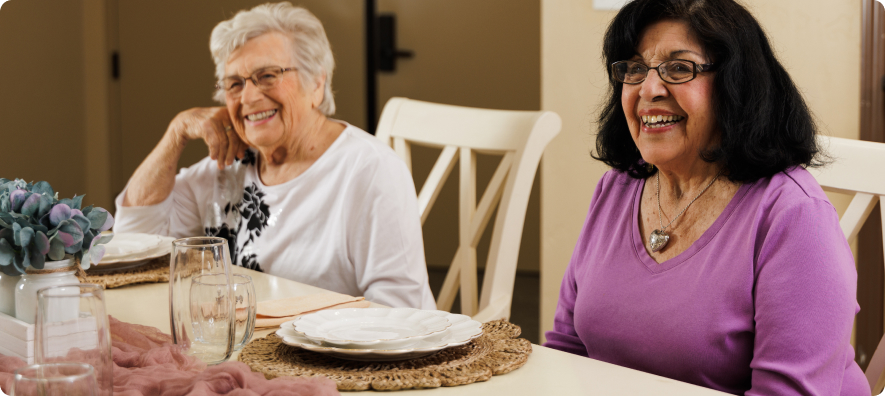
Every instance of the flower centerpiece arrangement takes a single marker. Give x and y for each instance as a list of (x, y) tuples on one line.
[(36, 226)]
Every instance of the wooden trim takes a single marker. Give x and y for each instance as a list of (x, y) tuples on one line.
[(871, 275)]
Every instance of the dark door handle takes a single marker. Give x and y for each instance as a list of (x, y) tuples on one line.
[(387, 51)]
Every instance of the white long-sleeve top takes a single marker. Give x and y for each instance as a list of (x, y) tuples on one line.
[(348, 224)]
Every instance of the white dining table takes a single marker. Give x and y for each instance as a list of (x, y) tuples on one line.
[(547, 371)]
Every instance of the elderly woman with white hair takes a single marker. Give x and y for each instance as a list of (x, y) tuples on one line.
[(295, 193)]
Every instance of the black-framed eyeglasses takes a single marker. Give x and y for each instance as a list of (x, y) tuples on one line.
[(675, 71), (264, 79)]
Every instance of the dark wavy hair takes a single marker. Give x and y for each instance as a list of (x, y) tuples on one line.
[(765, 124)]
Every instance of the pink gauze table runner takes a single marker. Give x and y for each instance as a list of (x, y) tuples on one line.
[(146, 363)]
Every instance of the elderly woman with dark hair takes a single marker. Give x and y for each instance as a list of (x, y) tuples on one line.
[(709, 254), (296, 194)]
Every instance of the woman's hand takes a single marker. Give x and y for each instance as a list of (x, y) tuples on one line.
[(212, 125), (154, 179)]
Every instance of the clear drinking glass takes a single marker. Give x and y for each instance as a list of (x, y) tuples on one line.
[(247, 307), (202, 314), (54, 379), (72, 327)]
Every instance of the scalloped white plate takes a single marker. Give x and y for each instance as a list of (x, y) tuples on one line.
[(462, 331), (375, 328), (130, 248)]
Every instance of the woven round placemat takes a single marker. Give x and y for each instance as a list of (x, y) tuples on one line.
[(155, 271), (496, 352)]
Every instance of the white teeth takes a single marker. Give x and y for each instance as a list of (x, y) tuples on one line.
[(660, 120), (261, 116)]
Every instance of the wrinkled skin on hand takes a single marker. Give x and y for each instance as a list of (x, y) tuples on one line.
[(212, 125)]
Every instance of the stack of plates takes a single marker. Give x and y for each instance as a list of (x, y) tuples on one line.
[(128, 250), (379, 334)]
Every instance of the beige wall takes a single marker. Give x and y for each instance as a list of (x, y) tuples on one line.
[(817, 40), (41, 94)]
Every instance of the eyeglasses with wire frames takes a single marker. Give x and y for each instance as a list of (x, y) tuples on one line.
[(676, 71), (264, 79)]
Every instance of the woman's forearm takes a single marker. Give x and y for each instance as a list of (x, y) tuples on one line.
[(154, 179)]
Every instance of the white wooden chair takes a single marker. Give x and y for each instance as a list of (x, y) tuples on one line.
[(856, 170), (520, 136)]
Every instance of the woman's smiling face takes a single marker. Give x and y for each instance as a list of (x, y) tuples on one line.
[(688, 123), (272, 117)]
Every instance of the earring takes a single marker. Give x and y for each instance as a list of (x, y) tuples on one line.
[(650, 167)]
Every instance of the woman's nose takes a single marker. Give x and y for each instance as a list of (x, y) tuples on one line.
[(653, 87), (250, 93)]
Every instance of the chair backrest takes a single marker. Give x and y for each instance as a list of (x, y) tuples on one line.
[(855, 171), (461, 132)]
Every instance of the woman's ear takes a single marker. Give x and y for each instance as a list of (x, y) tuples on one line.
[(319, 91)]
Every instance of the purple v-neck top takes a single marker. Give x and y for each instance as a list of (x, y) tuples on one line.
[(761, 304)]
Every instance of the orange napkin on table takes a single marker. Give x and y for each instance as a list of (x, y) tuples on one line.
[(276, 312)]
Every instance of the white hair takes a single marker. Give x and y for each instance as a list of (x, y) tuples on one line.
[(313, 54)]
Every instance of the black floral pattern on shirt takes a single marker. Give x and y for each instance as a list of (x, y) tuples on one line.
[(255, 210), (249, 158), (254, 215)]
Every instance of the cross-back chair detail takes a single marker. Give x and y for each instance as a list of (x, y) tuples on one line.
[(461, 133), (855, 170)]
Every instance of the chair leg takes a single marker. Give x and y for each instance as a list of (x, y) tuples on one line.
[(876, 366)]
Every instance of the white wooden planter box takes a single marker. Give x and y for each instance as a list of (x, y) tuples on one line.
[(16, 338)]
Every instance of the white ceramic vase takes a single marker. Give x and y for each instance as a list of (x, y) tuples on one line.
[(7, 293), (27, 286)]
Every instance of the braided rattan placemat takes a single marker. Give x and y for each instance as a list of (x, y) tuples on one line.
[(496, 352), (155, 271)]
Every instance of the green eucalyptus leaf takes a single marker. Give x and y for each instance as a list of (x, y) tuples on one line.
[(78, 201), (88, 236), (97, 218), (17, 198), (37, 259), (73, 229), (86, 210), (7, 253), (59, 213), (7, 234), (43, 187), (108, 222), (41, 242), (31, 205), (76, 247), (17, 234), (86, 259), (104, 238), (20, 262), (82, 221), (26, 236), (9, 270), (96, 254), (40, 227), (26, 258), (56, 249), (45, 205)]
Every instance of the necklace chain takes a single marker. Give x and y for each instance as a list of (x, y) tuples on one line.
[(658, 193)]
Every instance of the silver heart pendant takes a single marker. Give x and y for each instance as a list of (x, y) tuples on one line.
[(658, 240)]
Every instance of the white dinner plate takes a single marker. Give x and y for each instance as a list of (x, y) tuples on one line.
[(128, 249), (462, 331), (375, 328)]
